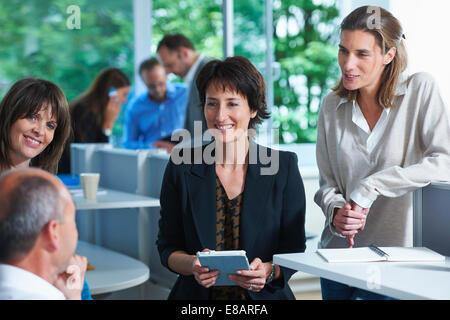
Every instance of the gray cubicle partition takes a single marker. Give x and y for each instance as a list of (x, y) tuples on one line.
[(81, 156), (117, 229), (81, 160), (432, 217), (154, 168), (131, 231)]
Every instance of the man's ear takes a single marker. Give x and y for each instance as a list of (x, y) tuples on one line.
[(184, 52), (51, 235)]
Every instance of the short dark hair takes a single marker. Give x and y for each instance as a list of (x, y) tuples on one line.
[(25, 98), (239, 75), (32, 203), (148, 64), (175, 41)]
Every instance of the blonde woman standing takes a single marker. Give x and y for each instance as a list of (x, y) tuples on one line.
[(381, 134)]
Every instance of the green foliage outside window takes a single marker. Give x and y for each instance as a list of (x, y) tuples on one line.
[(36, 42), (199, 20), (305, 33)]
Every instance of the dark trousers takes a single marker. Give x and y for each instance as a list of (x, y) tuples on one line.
[(332, 290)]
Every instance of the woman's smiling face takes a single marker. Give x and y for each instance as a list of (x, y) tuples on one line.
[(227, 113), (361, 60), (31, 135)]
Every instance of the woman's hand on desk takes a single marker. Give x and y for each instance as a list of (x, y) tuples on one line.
[(202, 274)]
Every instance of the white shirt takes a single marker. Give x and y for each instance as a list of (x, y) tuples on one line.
[(19, 284), (370, 139)]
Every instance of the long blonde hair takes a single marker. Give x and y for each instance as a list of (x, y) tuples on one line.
[(389, 33)]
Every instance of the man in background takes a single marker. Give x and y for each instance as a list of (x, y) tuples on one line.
[(179, 56), (38, 237), (157, 113)]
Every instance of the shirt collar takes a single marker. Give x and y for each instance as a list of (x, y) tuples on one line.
[(399, 90), (189, 77)]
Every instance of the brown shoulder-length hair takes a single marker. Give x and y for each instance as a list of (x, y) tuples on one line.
[(388, 33), (239, 75), (26, 98), (95, 99)]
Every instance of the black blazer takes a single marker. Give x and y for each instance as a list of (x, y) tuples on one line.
[(272, 218)]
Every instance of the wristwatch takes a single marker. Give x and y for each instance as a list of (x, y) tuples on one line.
[(272, 274)]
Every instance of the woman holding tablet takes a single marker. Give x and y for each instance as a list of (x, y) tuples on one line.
[(227, 200), (381, 134)]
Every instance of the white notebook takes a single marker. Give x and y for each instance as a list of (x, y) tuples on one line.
[(366, 254)]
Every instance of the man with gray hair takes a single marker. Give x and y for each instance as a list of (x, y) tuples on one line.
[(38, 238)]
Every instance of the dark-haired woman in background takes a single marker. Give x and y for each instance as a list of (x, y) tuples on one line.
[(95, 111), (228, 203), (381, 134)]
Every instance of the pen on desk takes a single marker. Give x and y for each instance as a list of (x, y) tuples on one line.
[(378, 251)]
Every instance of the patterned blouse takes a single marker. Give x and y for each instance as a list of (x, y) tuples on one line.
[(228, 213)]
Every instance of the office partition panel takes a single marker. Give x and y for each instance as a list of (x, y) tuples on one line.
[(432, 217)]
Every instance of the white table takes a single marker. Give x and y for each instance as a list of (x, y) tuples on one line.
[(113, 271), (418, 280), (111, 199)]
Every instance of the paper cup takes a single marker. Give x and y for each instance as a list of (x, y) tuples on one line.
[(89, 182)]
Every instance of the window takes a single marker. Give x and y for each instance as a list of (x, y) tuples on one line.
[(202, 24), (305, 40), (423, 24), (41, 39)]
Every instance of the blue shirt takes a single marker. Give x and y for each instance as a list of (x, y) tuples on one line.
[(147, 121), (86, 292)]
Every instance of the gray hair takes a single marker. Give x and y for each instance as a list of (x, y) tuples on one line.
[(26, 210)]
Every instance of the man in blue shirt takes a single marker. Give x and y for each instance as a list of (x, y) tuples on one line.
[(156, 114)]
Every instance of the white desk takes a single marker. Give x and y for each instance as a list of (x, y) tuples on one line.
[(111, 199), (424, 280), (108, 199), (113, 271)]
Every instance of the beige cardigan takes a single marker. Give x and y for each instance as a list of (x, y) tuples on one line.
[(413, 151)]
